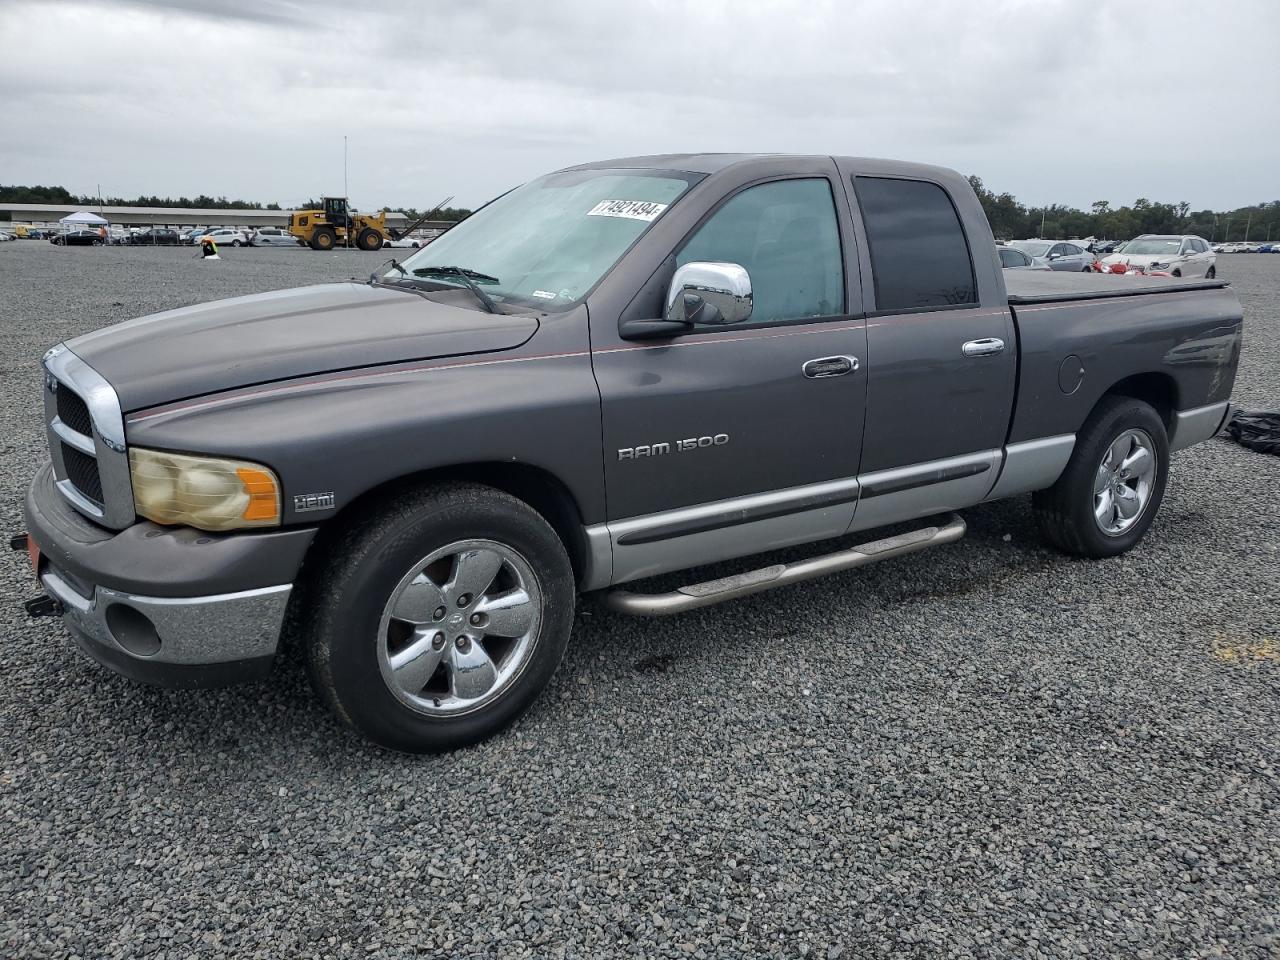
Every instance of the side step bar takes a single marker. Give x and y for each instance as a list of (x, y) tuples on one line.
[(780, 574)]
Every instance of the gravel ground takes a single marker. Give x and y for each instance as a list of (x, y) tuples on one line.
[(988, 750)]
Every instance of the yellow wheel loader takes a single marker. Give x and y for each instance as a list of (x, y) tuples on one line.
[(338, 225)]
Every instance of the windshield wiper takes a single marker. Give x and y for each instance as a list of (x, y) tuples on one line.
[(466, 276), (458, 271)]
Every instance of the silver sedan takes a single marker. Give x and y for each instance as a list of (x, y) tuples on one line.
[(1057, 254)]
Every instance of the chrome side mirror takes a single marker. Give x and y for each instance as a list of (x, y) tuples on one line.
[(705, 293)]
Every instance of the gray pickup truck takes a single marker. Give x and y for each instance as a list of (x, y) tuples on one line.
[(619, 370)]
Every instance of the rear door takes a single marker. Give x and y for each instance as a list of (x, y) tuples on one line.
[(940, 344)]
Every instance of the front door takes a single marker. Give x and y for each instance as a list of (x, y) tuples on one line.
[(720, 443)]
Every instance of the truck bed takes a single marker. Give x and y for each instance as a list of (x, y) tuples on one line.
[(1050, 286)]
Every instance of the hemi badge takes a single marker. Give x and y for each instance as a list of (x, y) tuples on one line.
[(306, 502)]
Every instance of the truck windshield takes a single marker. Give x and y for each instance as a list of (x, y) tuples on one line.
[(547, 243)]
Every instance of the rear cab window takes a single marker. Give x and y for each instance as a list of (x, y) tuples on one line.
[(920, 256)]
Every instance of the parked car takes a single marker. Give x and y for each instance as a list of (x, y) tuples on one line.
[(155, 236), (622, 375), (1103, 247), (1251, 248), (226, 237), (1057, 254), (272, 237), (191, 235), (5, 237), (1011, 258), (78, 238), (1181, 256), (403, 242)]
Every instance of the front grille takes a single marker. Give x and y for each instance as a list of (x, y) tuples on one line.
[(73, 411), (82, 471)]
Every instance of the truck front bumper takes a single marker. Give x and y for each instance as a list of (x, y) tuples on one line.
[(171, 606)]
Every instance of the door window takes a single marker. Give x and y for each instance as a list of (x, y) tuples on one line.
[(919, 254), (786, 237)]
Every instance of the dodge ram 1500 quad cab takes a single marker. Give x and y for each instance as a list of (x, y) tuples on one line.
[(619, 370)]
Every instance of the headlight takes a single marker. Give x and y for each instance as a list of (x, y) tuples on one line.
[(204, 492), (1158, 266)]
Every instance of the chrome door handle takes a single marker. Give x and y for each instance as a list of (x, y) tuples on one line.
[(823, 367), (986, 347)]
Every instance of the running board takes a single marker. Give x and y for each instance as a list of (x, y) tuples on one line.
[(780, 574)]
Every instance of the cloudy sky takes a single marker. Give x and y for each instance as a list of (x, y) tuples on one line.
[(1054, 100)]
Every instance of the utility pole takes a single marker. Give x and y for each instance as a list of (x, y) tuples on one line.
[(1246, 228), (1042, 210), (346, 194)]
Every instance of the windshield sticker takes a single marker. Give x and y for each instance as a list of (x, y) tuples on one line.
[(628, 209), (544, 294)]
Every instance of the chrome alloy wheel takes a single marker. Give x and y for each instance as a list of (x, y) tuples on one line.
[(1124, 481), (459, 628)]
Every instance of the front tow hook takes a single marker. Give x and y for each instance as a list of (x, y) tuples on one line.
[(43, 606)]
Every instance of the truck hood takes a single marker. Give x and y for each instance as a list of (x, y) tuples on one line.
[(267, 337)]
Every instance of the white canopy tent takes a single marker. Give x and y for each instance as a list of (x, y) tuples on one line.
[(83, 219)]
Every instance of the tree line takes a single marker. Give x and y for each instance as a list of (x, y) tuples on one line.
[(63, 196), (1012, 220), (1009, 218)]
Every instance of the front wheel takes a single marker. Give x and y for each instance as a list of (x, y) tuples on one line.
[(1212, 272), (437, 621), (1114, 482), (236, 243)]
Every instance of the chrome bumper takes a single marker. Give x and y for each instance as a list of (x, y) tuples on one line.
[(174, 641)]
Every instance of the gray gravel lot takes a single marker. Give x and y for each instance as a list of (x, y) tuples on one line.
[(988, 750)]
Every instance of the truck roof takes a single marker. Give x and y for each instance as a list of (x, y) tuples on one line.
[(709, 163)]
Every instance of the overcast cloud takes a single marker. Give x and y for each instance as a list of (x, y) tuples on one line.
[(1054, 100)]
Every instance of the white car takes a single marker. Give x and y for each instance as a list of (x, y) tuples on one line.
[(403, 242), (224, 237), (1182, 256), (273, 237), (5, 236), (1250, 248)]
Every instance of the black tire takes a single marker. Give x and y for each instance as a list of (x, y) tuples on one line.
[(236, 243), (1087, 269), (1177, 273), (1211, 273), (369, 239), (1065, 512), (356, 579), (325, 238)]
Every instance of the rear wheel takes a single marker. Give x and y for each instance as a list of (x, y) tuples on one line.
[(1114, 482), (324, 238), (369, 239), (438, 621)]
